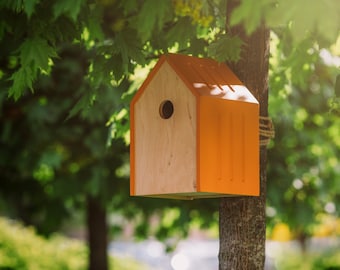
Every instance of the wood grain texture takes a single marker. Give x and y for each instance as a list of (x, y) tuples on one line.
[(166, 148)]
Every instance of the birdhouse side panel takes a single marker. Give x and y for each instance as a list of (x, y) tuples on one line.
[(165, 136), (228, 146), (212, 157)]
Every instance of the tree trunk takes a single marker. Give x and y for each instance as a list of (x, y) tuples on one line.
[(97, 235), (242, 219)]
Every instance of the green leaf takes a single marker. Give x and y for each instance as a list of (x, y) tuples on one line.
[(67, 7), (36, 52), (95, 29), (225, 48), (15, 5), (129, 6), (126, 46), (197, 46), (250, 13), (181, 32), (152, 14), (337, 86), (83, 104), (4, 27), (29, 6), (22, 79), (305, 17)]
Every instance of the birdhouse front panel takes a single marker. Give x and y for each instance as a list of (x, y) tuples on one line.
[(165, 136), (194, 132)]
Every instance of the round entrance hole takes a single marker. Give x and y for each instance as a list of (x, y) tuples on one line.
[(166, 109)]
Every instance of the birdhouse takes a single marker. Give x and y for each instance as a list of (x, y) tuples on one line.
[(194, 132)]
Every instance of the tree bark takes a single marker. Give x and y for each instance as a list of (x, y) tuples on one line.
[(97, 235), (242, 219)]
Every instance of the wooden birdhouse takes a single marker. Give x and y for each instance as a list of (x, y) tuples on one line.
[(194, 132)]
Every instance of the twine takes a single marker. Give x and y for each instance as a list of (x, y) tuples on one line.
[(267, 131)]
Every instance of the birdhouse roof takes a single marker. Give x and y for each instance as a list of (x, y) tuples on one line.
[(204, 77)]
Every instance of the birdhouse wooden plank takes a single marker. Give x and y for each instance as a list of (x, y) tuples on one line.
[(194, 132)]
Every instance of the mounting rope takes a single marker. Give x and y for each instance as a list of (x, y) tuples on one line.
[(267, 131)]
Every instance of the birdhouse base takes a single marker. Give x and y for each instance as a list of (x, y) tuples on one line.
[(190, 195)]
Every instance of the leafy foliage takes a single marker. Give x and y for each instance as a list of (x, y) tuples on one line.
[(66, 137), (34, 54), (226, 48), (302, 18), (303, 163), (68, 8), (315, 260), (22, 248)]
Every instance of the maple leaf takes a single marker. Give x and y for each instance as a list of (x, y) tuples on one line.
[(22, 79), (36, 52), (225, 48)]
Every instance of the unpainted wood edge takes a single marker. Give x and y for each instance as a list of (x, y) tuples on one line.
[(136, 97), (148, 79), (132, 150), (198, 140), (192, 196), (183, 78)]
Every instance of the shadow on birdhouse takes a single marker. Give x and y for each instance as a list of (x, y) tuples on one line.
[(194, 132)]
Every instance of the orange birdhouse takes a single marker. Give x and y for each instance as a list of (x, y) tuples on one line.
[(194, 132)]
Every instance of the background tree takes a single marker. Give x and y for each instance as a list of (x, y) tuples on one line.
[(242, 219)]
